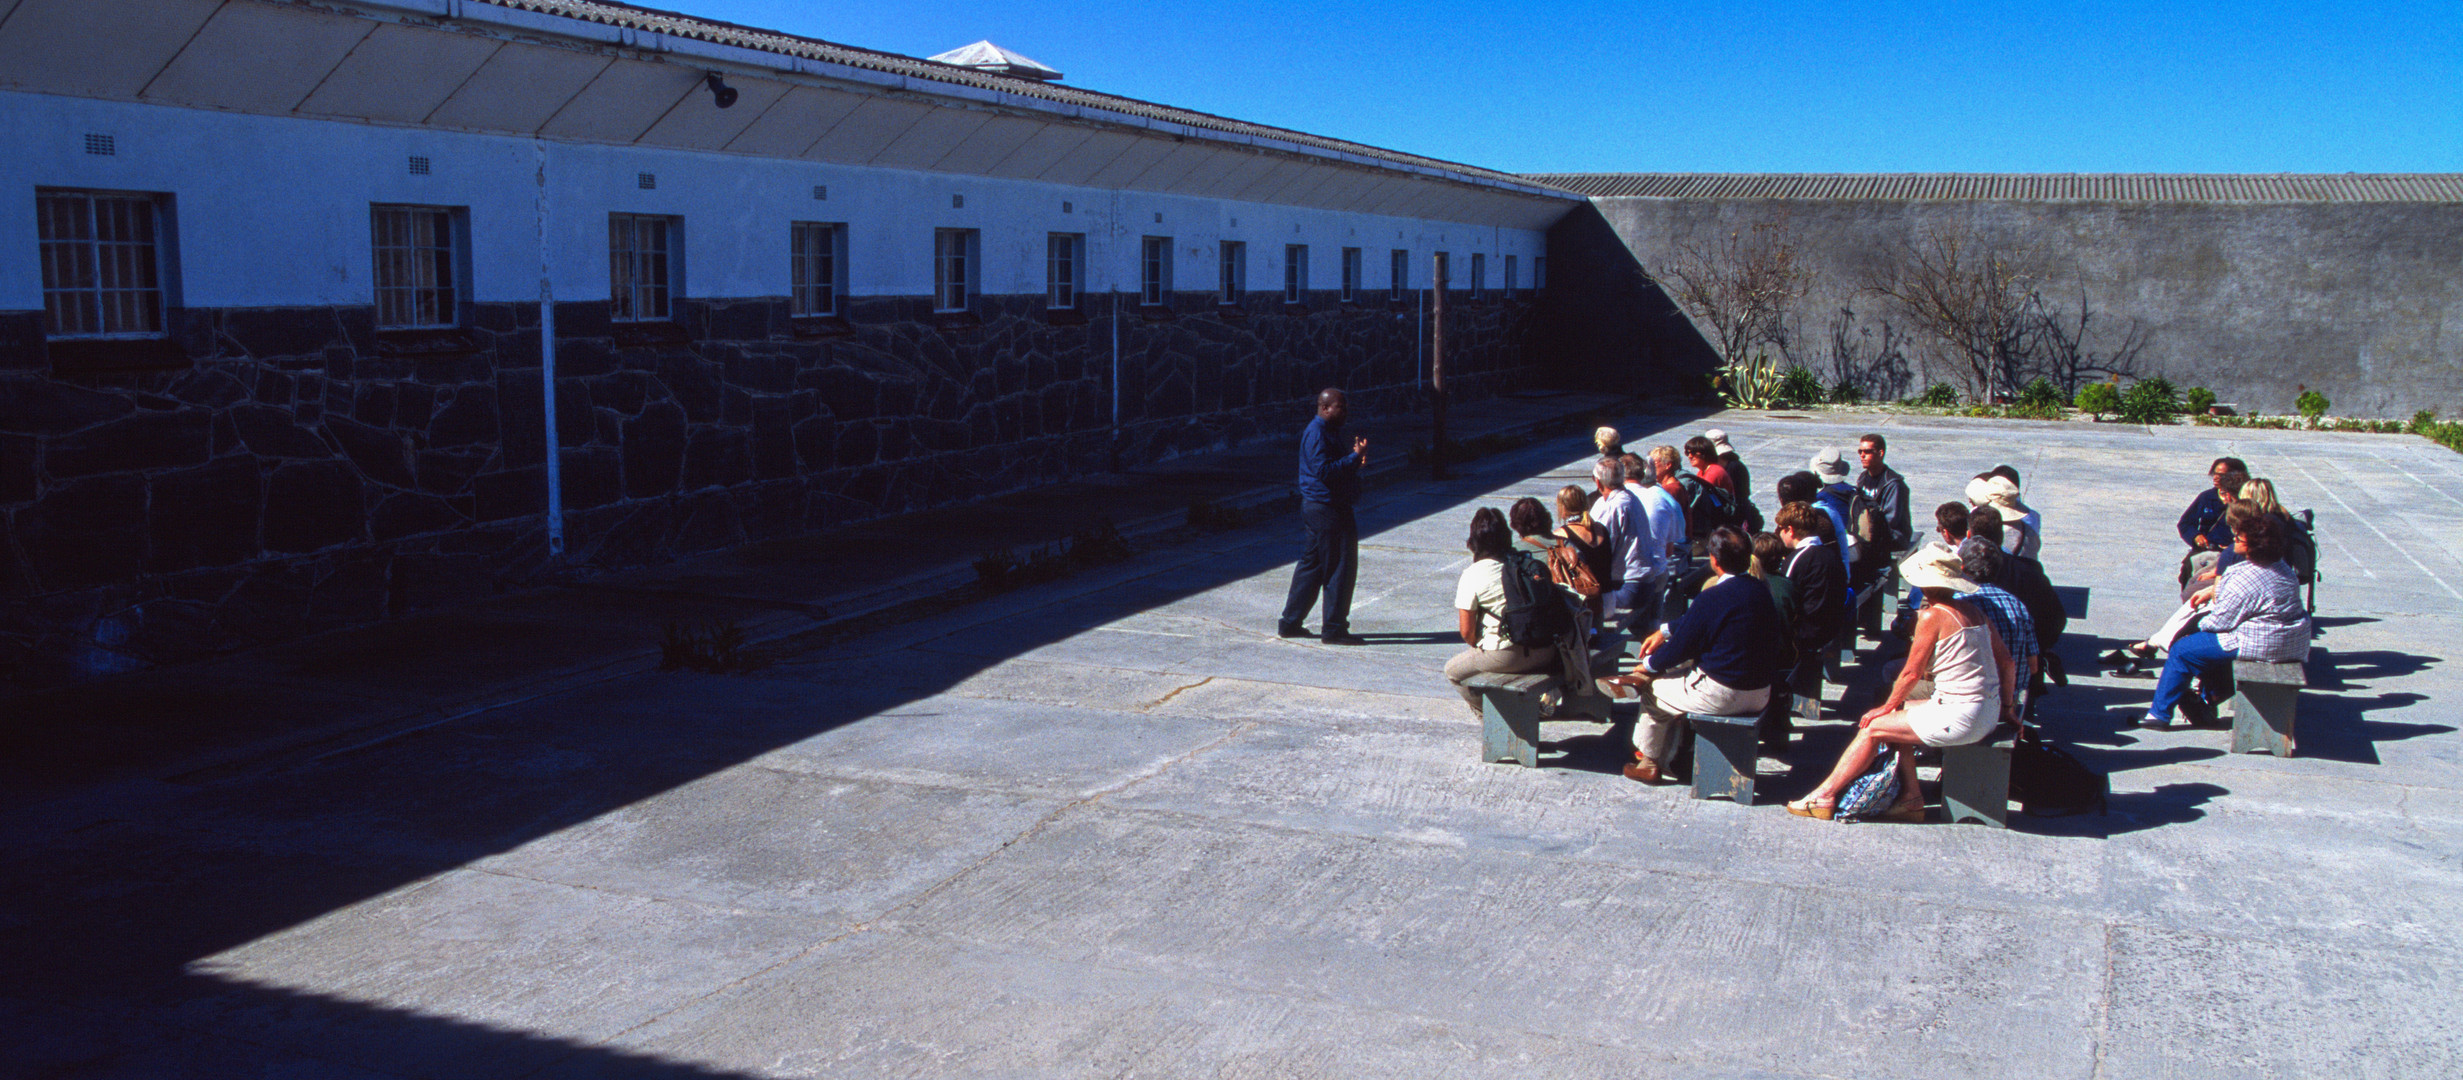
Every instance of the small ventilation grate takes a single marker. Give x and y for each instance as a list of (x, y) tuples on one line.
[(1158, 217), (820, 193), (648, 181), (419, 165), (957, 202), (101, 144), (1066, 208)]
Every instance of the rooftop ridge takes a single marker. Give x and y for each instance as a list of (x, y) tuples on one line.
[(2020, 187), (609, 12)]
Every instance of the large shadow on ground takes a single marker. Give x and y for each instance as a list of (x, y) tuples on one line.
[(117, 894)]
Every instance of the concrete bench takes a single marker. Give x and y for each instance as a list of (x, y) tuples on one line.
[(1511, 707), (1975, 778), (2264, 698), (1726, 750)]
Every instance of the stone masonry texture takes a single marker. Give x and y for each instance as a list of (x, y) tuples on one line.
[(292, 470)]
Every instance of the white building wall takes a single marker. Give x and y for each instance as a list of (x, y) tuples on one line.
[(273, 212)]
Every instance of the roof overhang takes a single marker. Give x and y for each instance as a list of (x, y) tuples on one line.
[(581, 71)]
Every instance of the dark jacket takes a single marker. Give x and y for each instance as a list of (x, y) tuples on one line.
[(2205, 516), (2024, 578), (1821, 594), (1730, 632), (1888, 492), (1329, 471)]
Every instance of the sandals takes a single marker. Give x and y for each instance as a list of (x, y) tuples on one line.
[(1806, 807), (1620, 687), (2128, 660)]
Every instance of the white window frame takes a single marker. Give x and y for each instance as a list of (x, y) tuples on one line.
[(108, 276), (417, 257), (642, 278), (816, 268), (1352, 262), (1064, 270), (1295, 273), (1232, 272), (1154, 271), (1400, 271), (957, 268)]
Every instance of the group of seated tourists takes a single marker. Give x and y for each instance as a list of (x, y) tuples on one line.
[(2240, 598), (1666, 546)]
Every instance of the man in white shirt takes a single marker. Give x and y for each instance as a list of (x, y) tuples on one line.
[(1616, 511), (1663, 536)]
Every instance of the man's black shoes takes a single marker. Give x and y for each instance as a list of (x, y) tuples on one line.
[(1291, 630), (1345, 639)]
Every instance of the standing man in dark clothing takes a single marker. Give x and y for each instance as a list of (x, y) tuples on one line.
[(1330, 549), (1887, 491)]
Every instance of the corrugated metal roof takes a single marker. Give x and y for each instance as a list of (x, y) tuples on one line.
[(685, 26), (2025, 187)]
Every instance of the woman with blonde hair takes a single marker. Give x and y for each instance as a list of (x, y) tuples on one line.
[(1610, 443)]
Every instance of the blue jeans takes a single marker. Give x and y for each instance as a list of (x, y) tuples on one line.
[(2195, 655), (1640, 600)]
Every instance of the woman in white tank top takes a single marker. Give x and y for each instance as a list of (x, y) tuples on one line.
[(1972, 677)]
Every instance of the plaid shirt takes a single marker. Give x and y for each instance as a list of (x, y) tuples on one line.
[(2011, 621), (2257, 613)]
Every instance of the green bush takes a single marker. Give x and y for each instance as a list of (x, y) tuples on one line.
[(2198, 399), (1940, 395), (1845, 393), (2312, 405), (2423, 422), (2099, 398), (2150, 401), (2040, 395), (1798, 387)]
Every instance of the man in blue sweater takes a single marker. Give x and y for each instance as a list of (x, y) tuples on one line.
[(1728, 637), (1330, 547)]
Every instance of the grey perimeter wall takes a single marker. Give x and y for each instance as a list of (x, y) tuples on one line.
[(2361, 301), (289, 470)]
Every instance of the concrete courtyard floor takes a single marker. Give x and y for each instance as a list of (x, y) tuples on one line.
[(1112, 826)]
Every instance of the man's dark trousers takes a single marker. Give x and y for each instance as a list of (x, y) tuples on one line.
[(1329, 563)]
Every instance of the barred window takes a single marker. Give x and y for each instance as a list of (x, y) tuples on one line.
[(1234, 280), (1402, 275), (1351, 275), (954, 271), (1479, 275), (1510, 283), (415, 280), (818, 262), (1064, 254), (102, 263), (639, 266), (1295, 272), (1154, 279)]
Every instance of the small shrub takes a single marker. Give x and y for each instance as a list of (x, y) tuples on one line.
[(1798, 387), (1940, 395), (1845, 393), (2040, 394), (2046, 411), (2423, 422), (2312, 405), (2198, 399), (2098, 399), (2150, 401)]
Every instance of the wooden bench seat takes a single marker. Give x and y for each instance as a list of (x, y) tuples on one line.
[(1511, 707), (2265, 698), (1726, 753)]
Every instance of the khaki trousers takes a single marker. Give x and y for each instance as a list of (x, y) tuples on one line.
[(1689, 691)]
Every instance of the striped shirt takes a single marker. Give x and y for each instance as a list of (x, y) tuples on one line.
[(2257, 613), (2011, 621)]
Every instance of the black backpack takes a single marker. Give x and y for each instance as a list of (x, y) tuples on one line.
[(1537, 613), (2048, 781), (1706, 506)]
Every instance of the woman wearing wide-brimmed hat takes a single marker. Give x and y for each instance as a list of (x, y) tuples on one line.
[(2022, 527), (1970, 668)]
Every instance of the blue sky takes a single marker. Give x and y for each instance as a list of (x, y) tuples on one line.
[(1775, 87)]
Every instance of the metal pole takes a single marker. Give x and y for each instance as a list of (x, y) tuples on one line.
[(547, 367), (1436, 370)]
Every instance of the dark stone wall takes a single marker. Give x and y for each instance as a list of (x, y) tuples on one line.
[(275, 472)]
